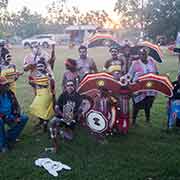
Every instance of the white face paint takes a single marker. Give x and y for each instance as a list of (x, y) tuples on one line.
[(36, 51)]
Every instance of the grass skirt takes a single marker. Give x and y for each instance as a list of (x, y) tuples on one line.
[(42, 105)]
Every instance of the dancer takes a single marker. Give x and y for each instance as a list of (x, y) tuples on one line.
[(43, 103), (67, 111), (70, 73), (143, 100), (115, 65), (31, 60), (10, 114), (8, 70), (85, 64)]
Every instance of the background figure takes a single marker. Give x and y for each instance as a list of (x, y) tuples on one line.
[(3, 52), (70, 74), (143, 100), (10, 114), (173, 105), (85, 64), (126, 51)]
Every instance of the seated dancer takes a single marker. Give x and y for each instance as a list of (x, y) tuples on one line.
[(114, 65), (9, 114), (142, 100), (85, 64), (9, 70), (70, 73), (67, 110), (43, 103), (172, 105)]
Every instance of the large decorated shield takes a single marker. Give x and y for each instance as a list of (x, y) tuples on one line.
[(94, 82), (153, 82), (91, 85)]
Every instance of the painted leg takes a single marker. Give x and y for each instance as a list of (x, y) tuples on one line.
[(147, 113), (135, 113)]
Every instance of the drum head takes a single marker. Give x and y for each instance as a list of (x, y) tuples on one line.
[(96, 121)]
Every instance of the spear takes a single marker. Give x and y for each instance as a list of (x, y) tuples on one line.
[(53, 57)]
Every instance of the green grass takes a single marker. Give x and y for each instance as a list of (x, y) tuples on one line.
[(146, 152)]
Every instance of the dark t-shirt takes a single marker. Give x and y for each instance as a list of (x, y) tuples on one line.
[(176, 90), (69, 102)]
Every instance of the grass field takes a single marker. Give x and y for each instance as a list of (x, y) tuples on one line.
[(146, 153)]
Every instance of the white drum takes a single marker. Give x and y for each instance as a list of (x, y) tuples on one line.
[(96, 121)]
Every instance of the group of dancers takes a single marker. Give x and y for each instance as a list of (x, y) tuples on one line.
[(63, 111)]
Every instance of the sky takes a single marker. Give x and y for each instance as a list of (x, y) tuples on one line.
[(84, 5)]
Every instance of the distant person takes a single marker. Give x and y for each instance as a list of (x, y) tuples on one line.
[(126, 51), (3, 52), (85, 64), (173, 104), (10, 115)]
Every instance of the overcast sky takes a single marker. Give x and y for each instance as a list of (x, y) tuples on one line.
[(84, 5)]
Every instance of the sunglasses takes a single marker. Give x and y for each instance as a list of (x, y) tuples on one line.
[(82, 51), (70, 85), (114, 51)]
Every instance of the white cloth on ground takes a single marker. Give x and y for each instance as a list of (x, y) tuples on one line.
[(51, 166)]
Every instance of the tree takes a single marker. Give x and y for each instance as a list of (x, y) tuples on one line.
[(130, 12), (3, 3), (25, 23), (163, 18), (59, 13), (157, 17), (98, 18)]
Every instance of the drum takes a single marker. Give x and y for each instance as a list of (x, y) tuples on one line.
[(96, 121)]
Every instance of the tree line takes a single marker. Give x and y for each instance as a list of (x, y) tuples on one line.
[(154, 17)]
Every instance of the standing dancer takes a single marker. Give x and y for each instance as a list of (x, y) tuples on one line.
[(30, 61), (8, 70), (70, 73), (43, 103), (114, 65), (85, 64), (143, 100)]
